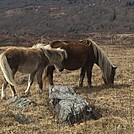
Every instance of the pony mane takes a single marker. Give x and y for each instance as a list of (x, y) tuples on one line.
[(102, 60), (55, 55)]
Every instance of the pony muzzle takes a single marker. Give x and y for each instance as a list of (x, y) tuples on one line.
[(60, 70)]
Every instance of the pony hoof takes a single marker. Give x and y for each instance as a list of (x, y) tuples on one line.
[(80, 85), (26, 94), (40, 91), (3, 98), (90, 87)]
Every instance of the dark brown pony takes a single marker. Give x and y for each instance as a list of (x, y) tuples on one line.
[(28, 60), (83, 54)]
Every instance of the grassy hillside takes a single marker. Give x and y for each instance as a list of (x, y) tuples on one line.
[(56, 17)]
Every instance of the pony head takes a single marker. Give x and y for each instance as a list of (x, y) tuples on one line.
[(56, 57), (63, 56), (108, 69), (109, 79)]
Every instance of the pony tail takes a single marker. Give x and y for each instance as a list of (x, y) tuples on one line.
[(6, 70)]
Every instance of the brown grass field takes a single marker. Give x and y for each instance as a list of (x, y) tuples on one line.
[(116, 105)]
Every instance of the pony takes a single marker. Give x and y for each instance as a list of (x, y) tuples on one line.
[(83, 54), (32, 61)]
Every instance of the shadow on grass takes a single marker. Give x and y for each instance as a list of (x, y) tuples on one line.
[(99, 88)]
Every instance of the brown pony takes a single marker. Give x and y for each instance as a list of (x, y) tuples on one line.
[(28, 60), (83, 54)]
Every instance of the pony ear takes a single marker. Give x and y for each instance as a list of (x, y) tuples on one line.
[(114, 67), (65, 54)]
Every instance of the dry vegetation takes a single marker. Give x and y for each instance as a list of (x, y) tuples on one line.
[(116, 105), (55, 17)]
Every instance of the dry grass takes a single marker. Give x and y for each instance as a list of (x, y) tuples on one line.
[(116, 105)]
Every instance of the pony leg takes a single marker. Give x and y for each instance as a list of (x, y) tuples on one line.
[(50, 79), (3, 92), (44, 76), (89, 75), (50, 71), (82, 75), (13, 91), (30, 82), (39, 80)]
